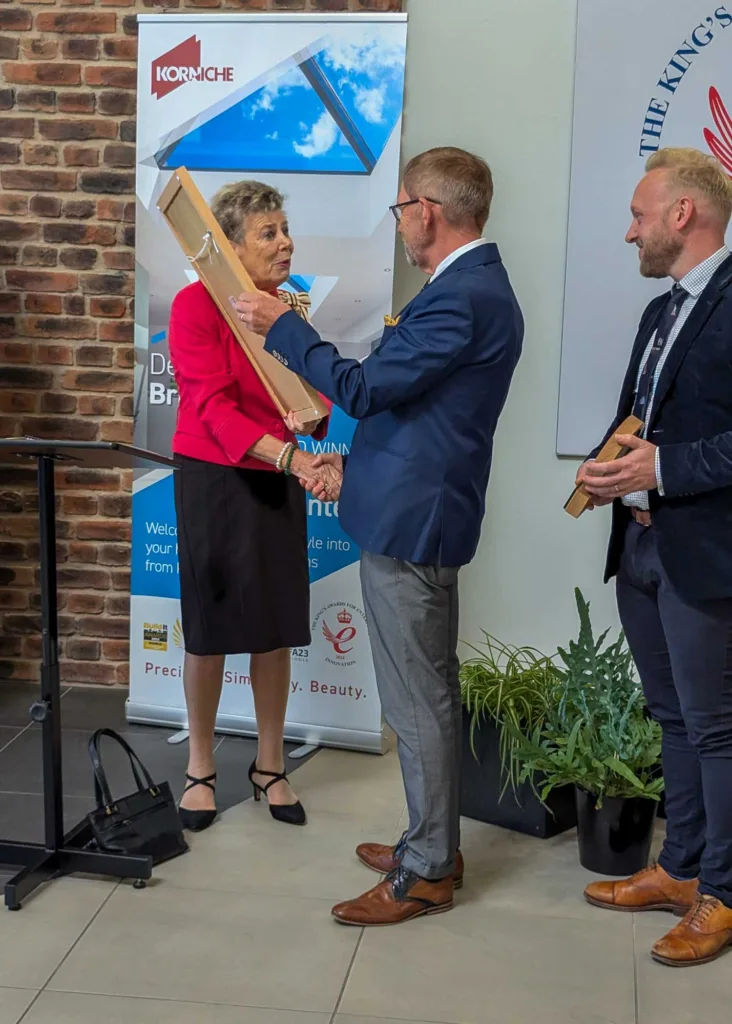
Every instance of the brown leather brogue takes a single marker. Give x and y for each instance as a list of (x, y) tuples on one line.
[(382, 858), (402, 896), (701, 937), (651, 889)]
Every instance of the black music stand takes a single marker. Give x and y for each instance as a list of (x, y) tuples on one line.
[(62, 854)]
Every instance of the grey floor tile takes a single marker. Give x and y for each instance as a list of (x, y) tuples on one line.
[(94, 707), (477, 966), (13, 1004), (15, 700), (212, 947), (35, 939), (21, 816), (68, 1008), (699, 995), (8, 734), (345, 1018)]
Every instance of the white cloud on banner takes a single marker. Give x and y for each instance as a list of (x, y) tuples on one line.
[(319, 139), (370, 53), (370, 104)]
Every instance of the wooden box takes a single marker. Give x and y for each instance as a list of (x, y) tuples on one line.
[(580, 499), (214, 259)]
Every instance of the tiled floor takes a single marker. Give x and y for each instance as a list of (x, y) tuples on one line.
[(238, 932)]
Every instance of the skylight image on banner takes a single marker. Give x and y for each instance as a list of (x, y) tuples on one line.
[(333, 113)]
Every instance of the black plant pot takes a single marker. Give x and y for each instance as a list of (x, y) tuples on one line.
[(482, 784), (614, 839)]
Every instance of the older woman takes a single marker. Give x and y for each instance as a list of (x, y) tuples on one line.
[(242, 536)]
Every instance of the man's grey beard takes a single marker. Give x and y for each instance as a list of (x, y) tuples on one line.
[(412, 259)]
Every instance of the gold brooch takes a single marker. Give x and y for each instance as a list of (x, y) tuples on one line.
[(391, 321)]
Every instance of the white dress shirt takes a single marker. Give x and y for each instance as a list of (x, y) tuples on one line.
[(457, 254), (694, 283)]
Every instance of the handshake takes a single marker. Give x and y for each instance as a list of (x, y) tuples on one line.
[(320, 475)]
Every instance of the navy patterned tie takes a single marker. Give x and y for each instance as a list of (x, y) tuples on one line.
[(645, 386)]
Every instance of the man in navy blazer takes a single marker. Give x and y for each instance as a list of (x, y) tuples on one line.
[(671, 543), (413, 496)]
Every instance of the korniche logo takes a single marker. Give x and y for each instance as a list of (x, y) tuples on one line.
[(183, 64), (696, 45)]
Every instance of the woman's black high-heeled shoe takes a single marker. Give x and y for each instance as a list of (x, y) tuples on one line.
[(197, 821), (290, 814)]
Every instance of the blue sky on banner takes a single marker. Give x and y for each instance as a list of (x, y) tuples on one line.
[(289, 125)]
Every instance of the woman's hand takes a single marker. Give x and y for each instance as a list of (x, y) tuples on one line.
[(296, 426), (320, 475)]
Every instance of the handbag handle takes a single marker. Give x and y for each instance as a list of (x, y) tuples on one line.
[(102, 791)]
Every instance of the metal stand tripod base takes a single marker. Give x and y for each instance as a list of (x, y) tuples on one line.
[(41, 864)]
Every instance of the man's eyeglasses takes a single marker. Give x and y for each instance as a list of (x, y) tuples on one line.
[(397, 208)]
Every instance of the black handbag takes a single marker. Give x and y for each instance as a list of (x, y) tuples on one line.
[(145, 822)]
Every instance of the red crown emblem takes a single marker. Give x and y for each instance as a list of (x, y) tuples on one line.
[(720, 145), (345, 617)]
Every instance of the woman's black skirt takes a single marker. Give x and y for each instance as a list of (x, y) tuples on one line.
[(242, 549)]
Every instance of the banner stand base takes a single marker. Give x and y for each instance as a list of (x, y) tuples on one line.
[(236, 725), (299, 752), (178, 737)]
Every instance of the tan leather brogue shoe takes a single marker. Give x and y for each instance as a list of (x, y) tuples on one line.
[(402, 896), (701, 937), (651, 889), (384, 859)]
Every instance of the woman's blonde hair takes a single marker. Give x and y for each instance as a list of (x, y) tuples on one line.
[(692, 169), (233, 203)]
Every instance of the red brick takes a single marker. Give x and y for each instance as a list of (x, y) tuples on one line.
[(40, 49), (117, 331), (103, 529), (46, 206), (107, 307), (110, 209), (116, 650), (117, 604), (17, 127), (99, 672), (34, 154), (17, 600), (9, 48), (24, 377), (96, 405), (128, 131), (59, 327), (25, 671), (93, 355), (107, 181), (110, 75), (81, 156), (36, 281), (54, 401), (68, 427), (36, 99), (53, 73), (91, 380), (79, 234), (17, 402), (56, 355), (43, 304), (76, 102), (79, 209), (80, 49), (107, 284), (119, 260), (13, 205), (119, 156), (120, 49), (77, 130), (75, 305), (91, 479), (126, 357), (9, 153), (83, 579), (117, 430), (85, 604), (7, 99), (76, 23), (115, 505), (39, 256), (15, 20), (78, 259), (34, 181), (114, 554), (129, 25), (83, 650), (19, 231), (16, 352), (9, 302)]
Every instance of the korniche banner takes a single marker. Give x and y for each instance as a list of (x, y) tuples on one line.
[(311, 104)]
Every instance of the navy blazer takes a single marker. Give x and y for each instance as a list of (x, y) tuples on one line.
[(428, 401), (691, 421)]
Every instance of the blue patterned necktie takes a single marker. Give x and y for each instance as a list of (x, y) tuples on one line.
[(645, 386)]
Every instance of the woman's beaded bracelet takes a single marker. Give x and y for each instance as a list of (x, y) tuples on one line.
[(286, 448), (288, 460)]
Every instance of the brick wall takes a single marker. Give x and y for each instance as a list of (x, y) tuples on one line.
[(67, 133)]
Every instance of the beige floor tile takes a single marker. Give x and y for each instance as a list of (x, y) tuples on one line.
[(68, 1008), (698, 995), (248, 852), (477, 966), (35, 939), (212, 947), (13, 1004), (344, 782), (347, 1019)]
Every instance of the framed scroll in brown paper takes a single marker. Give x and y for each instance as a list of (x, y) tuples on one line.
[(212, 256), (580, 499)]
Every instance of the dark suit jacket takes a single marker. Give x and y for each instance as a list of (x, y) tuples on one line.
[(428, 400), (691, 421)]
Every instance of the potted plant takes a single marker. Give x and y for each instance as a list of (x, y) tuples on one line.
[(598, 737), (503, 685)]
